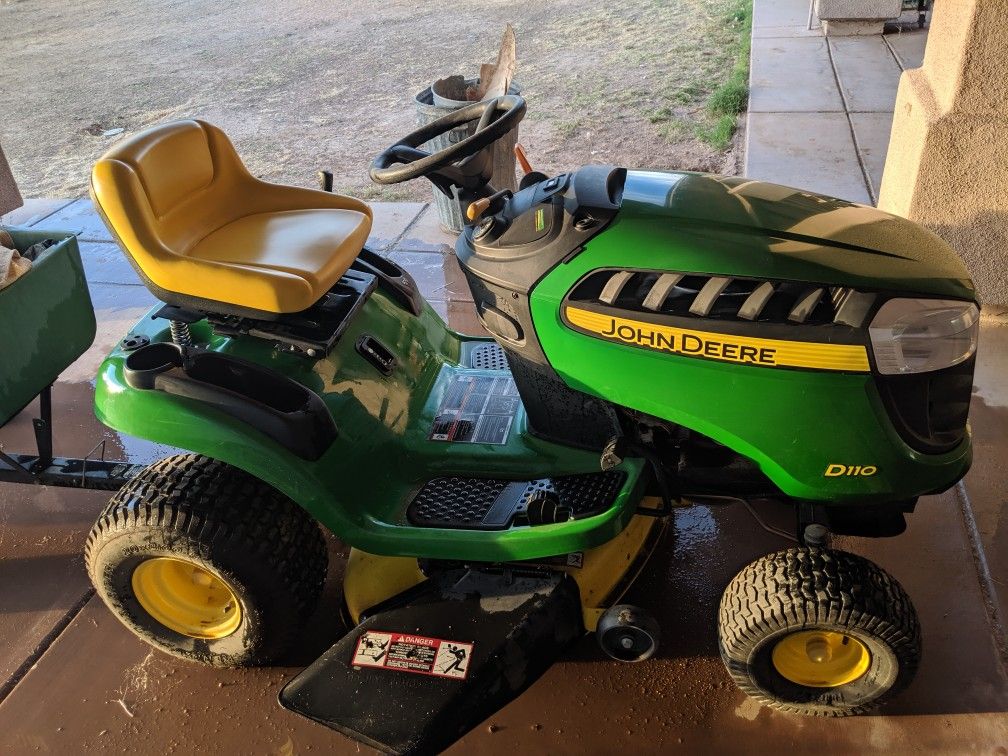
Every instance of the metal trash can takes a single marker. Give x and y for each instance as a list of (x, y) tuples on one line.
[(450, 210)]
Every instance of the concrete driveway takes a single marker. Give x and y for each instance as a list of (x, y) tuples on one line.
[(72, 680)]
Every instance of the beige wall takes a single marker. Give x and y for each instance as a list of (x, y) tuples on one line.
[(10, 197), (947, 166)]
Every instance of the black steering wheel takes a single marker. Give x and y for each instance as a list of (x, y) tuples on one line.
[(467, 165)]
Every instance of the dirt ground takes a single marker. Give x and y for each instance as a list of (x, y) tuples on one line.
[(302, 85)]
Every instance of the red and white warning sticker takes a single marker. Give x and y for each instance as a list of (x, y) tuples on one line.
[(413, 653)]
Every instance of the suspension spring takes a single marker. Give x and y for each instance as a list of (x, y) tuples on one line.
[(180, 333)]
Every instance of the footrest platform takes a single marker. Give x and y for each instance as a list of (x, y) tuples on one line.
[(492, 504)]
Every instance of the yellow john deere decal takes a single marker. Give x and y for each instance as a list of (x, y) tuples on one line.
[(722, 346)]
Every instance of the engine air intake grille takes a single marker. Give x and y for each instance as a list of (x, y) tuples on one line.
[(718, 297)]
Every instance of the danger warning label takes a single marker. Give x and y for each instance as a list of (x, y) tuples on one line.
[(413, 653)]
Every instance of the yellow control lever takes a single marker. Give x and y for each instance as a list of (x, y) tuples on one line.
[(477, 208)]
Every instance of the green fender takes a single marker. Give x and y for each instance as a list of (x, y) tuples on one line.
[(360, 485)]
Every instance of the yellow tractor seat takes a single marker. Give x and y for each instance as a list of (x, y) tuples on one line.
[(205, 234)]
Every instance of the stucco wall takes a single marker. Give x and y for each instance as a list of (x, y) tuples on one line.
[(947, 165)]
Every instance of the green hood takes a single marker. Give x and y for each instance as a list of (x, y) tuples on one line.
[(738, 227)]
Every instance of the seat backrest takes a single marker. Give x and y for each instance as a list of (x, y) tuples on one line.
[(173, 163), (165, 189)]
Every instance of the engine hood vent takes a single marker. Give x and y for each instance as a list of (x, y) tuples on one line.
[(722, 298)]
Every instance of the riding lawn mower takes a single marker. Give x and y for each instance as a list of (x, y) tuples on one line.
[(659, 340)]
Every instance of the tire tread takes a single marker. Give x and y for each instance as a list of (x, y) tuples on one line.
[(800, 587), (206, 503)]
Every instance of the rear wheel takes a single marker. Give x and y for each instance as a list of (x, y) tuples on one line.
[(814, 631), (207, 562)]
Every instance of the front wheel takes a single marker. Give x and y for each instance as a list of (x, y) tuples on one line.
[(206, 562), (821, 632)]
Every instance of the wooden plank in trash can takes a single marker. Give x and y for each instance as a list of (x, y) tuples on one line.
[(10, 197)]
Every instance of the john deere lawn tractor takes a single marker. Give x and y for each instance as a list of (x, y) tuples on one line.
[(658, 339)]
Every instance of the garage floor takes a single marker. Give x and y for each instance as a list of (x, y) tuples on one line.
[(72, 680)]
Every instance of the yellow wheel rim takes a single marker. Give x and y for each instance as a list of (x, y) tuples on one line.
[(821, 659), (186, 598)]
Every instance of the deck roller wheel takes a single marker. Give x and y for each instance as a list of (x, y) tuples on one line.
[(628, 633)]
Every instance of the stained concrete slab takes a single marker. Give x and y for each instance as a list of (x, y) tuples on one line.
[(390, 220), (909, 47), (426, 233), (871, 136), (80, 218), (437, 273), (933, 561), (792, 75), (985, 488), (460, 316), (867, 71), (43, 540), (98, 688), (783, 18), (105, 262), (781, 13), (985, 484), (42, 532), (33, 210), (812, 151)]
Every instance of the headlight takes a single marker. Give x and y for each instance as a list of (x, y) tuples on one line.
[(921, 335)]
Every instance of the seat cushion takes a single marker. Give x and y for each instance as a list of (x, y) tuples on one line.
[(314, 247), (205, 233)]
